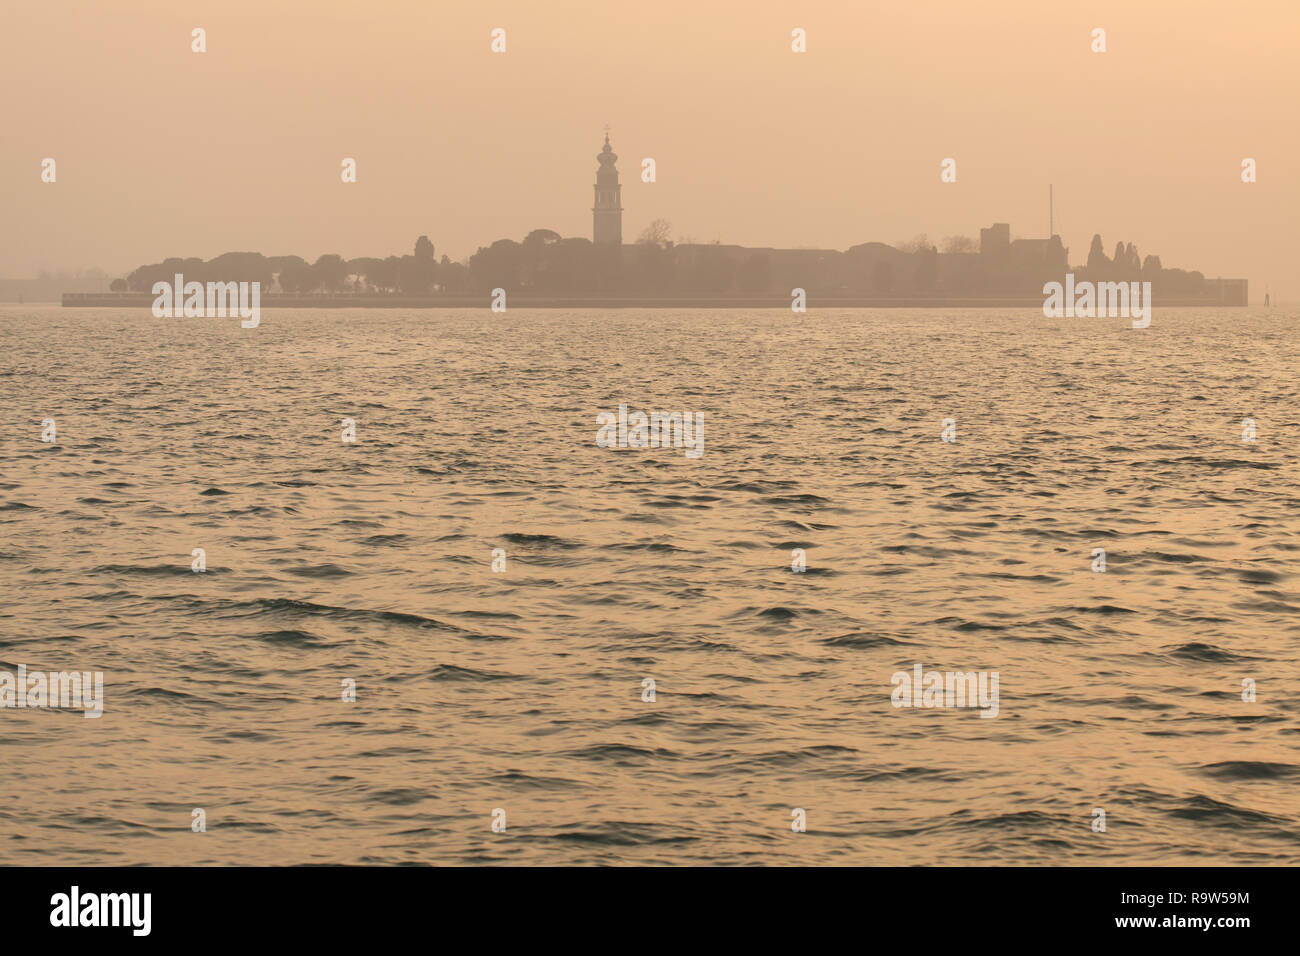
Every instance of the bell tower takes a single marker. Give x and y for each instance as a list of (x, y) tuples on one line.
[(607, 214)]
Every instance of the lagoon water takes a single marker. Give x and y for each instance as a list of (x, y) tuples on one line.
[(522, 689)]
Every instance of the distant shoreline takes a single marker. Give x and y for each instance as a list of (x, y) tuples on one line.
[(275, 300)]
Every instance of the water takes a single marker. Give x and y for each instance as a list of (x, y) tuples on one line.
[(521, 690)]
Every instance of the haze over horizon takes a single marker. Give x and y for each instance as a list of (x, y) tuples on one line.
[(164, 152), (590, 551)]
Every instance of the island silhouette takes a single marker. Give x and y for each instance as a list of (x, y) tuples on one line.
[(547, 269)]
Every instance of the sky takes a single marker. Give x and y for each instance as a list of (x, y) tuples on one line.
[(161, 151)]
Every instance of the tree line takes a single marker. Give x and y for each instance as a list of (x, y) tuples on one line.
[(545, 263)]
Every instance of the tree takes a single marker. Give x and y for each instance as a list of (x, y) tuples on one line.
[(383, 274), (298, 276), (415, 275), (1132, 262), (331, 272), (960, 244), (143, 278), (118, 285), (364, 268), (535, 258), (497, 266), (239, 267), (1097, 261), (451, 276), (658, 233), (918, 243), (424, 248)]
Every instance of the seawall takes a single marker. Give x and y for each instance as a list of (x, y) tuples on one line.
[(349, 301)]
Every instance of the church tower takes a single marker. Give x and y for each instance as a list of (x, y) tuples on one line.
[(607, 214)]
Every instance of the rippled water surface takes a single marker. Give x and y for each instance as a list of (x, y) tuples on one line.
[(522, 690)]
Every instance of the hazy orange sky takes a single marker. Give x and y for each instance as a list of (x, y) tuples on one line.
[(161, 151)]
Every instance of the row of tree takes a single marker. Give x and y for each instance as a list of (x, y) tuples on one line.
[(545, 263), (418, 274)]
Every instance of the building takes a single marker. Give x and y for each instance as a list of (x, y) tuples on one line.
[(1229, 291), (1033, 255), (1004, 264), (995, 241), (607, 214)]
